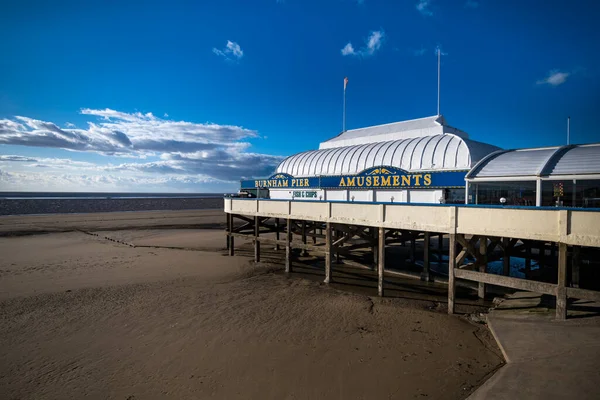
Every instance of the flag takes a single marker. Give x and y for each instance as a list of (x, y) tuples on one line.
[(345, 82)]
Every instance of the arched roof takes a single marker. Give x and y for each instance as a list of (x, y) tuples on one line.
[(547, 161), (430, 153)]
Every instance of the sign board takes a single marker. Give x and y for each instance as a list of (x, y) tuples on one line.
[(371, 178)]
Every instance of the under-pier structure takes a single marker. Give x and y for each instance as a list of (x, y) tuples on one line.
[(466, 238)]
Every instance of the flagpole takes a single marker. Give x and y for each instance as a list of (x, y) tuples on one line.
[(344, 112), (438, 97)]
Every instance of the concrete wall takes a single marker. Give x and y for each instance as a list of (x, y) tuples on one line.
[(563, 226), (535, 224)]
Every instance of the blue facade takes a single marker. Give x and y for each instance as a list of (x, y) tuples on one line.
[(382, 177)]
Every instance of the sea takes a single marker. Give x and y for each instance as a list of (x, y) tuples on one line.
[(104, 195)]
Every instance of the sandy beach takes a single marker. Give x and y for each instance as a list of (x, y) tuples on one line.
[(147, 305)]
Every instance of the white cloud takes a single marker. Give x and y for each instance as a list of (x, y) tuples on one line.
[(472, 4), (186, 149), (231, 51), (348, 50), (70, 125), (88, 182), (372, 44), (423, 7), (554, 78)]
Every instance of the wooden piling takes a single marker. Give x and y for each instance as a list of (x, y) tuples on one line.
[(575, 266), (288, 246), (304, 251), (482, 265), (451, 266), (381, 261), (528, 260), (561, 287), (426, 274), (277, 228), (256, 241), (228, 229), (375, 247), (328, 253), (338, 235), (440, 249), (505, 256), (413, 247), (231, 237)]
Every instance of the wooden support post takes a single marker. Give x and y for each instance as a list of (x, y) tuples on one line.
[(328, 253), (375, 246), (505, 257), (256, 241), (575, 266), (451, 266), (314, 235), (413, 248), (381, 261), (338, 235), (528, 260), (231, 238), (304, 252), (426, 274), (561, 287), (440, 249), (277, 228), (228, 230), (542, 256), (288, 246), (482, 265)]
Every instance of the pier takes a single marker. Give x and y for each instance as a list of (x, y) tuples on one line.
[(475, 236)]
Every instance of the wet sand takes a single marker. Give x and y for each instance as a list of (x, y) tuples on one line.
[(82, 205), (174, 317)]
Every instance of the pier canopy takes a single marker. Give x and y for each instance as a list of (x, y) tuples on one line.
[(548, 176), (426, 144)]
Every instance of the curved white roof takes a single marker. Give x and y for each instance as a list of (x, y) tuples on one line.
[(547, 161), (413, 128), (436, 152)]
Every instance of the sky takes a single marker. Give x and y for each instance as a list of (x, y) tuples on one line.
[(192, 96)]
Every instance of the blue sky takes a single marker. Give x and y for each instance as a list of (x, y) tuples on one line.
[(194, 95)]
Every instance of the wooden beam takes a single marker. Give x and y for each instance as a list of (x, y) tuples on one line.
[(451, 273), (561, 287), (426, 274), (328, 253), (461, 256), (583, 294), (505, 281), (381, 261)]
